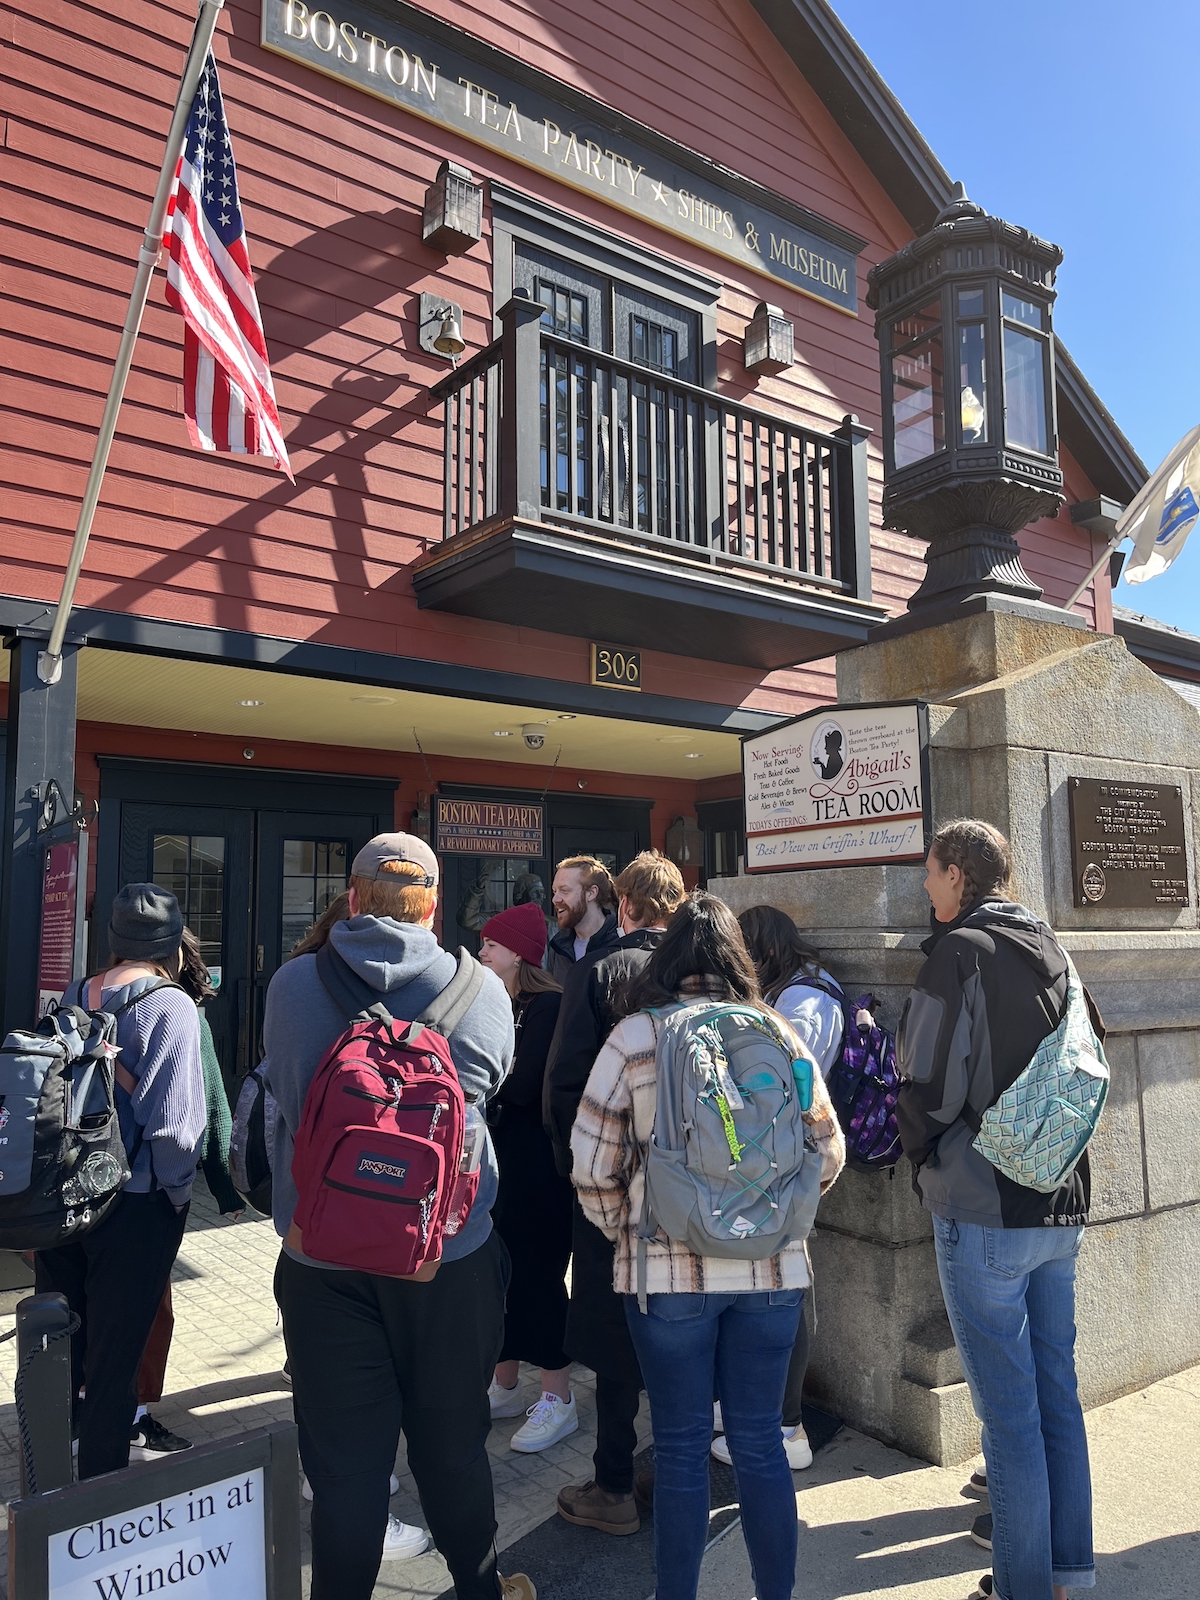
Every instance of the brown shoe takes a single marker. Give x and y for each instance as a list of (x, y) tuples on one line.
[(516, 1587), (587, 1505)]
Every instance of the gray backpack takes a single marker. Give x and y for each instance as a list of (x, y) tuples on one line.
[(732, 1169)]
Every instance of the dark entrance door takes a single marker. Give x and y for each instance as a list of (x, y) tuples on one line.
[(253, 859)]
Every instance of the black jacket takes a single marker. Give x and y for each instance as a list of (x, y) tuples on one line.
[(993, 986), (534, 1020), (560, 959), (586, 1018)]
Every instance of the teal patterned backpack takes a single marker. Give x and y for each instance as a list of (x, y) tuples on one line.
[(1038, 1129)]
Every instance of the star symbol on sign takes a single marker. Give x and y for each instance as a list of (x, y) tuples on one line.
[(660, 192)]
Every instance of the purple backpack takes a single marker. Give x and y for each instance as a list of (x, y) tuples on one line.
[(864, 1083)]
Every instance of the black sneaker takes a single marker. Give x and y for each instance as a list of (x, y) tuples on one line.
[(150, 1441), (985, 1590), (981, 1531)]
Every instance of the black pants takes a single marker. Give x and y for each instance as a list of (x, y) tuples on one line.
[(616, 1432), (793, 1393), (368, 1357), (113, 1278), (532, 1215)]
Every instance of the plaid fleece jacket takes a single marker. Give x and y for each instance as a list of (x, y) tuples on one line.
[(608, 1145)]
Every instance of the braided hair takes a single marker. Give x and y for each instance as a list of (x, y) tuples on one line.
[(981, 853)]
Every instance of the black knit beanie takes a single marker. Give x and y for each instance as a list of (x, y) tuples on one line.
[(146, 924)]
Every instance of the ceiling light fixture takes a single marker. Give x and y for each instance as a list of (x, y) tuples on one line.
[(373, 699), (693, 755), (501, 733), (566, 716), (250, 702), (673, 738)]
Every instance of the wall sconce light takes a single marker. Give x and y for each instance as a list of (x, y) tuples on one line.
[(770, 340), (441, 327), (453, 210)]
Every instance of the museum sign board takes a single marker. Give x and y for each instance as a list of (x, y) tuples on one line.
[(448, 77)]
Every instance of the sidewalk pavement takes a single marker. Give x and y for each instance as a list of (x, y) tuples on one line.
[(873, 1521)]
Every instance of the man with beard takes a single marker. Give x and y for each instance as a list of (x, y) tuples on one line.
[(650, 889), (582, 895)]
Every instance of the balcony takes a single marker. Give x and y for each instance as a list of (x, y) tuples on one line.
[(588, 495)]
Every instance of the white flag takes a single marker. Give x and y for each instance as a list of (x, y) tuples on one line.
[(1163, 512)]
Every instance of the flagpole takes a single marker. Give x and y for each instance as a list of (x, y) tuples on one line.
[(50, 659), (1112, 544)]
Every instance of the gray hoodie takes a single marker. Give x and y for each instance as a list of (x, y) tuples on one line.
[(410, 969)]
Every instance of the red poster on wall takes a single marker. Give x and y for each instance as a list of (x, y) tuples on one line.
[(56, 959)]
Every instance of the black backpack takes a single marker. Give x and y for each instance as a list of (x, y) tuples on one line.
[(62, 1159)]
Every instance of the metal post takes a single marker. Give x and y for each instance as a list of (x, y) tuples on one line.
[(51, 663), (41, 747), (521, 413), (44, 1392)]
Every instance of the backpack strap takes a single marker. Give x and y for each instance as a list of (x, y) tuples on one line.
[(445, 1013)]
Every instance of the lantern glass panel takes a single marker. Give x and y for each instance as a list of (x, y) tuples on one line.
[(1025, 390), (918, 384), (972, 382), (1027, 312)]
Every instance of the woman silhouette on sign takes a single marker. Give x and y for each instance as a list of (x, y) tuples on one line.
[(832, 764)]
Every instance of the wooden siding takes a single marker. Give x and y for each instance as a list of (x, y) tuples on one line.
[(332, 186)]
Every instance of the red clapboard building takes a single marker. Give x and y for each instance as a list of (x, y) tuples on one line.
[(633, 518)]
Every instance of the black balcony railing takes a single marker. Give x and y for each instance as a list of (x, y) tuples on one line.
[(540, 428)]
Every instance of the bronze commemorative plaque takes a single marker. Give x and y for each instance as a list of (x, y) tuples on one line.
[(1127, 844)]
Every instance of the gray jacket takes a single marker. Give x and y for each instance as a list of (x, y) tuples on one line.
[(410, 969)]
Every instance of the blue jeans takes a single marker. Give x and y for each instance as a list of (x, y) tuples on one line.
[(691, 1346), (1010, 1296)]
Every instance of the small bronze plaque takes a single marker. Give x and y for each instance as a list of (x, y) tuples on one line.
[(1127, 844), (615, 667)]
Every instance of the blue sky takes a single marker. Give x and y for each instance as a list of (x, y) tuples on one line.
[(1078, 120)]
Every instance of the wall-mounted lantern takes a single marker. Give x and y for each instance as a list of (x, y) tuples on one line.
[(770, 341), (453, 210), (966, 349), (441, 327), (685, 842)]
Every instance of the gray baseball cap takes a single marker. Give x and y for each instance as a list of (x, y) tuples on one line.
[(395, 847)]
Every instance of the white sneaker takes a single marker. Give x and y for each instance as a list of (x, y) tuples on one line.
[(718, 1425), (402, 1541), (795, 1446), (505, 1402), (550, 1420), (306, 1487)]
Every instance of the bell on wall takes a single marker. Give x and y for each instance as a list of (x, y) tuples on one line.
[(441, 327)]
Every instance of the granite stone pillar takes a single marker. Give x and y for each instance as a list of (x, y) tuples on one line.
[(1017, 707)]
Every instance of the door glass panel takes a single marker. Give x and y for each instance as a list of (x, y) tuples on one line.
[(192, 867), (314, 874)]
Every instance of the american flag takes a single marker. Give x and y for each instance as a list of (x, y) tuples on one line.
[(228, 396)]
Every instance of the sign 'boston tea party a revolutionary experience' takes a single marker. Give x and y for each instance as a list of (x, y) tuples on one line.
[(840, 786)]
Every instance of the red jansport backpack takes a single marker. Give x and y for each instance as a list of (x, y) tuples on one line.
[(380, 1147)]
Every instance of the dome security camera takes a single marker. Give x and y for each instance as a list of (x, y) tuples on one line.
[(533, 735)]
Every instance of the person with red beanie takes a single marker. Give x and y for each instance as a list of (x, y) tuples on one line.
[(532, 1213)]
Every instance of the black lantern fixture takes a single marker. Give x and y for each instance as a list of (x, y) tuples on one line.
[(453, 210), (770, 344), (963, 319)]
